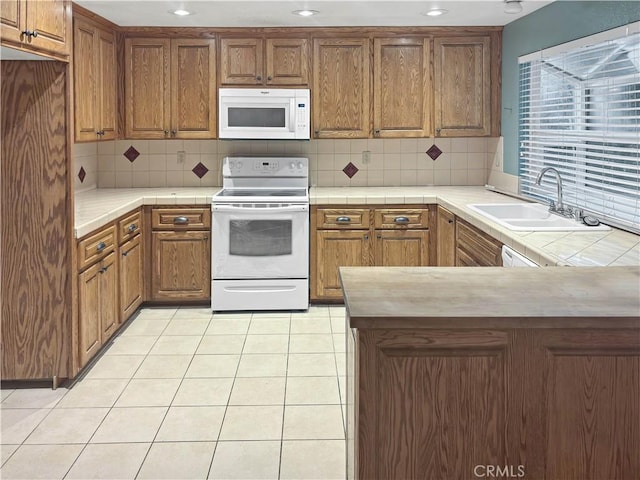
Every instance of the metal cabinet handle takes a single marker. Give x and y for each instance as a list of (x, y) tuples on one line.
[(379, 235), (438, 130), (133, 227), (259, 77), (366, 237), (343, 220), (103, 269), (376, 131), (30, 33), (180, 220), (174, 133), (101, 246), (401, 220), (124, 254), (449, 221), (269, 78), (166, 132)]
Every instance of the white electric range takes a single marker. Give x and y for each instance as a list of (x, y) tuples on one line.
[(260, 235)]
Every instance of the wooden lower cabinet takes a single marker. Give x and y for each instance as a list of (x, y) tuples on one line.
[(131, 277), (335, 249), (548, 403), (474, 248), (181, 265), (98, 306), (446, 232), (401, 248), (366, 236)]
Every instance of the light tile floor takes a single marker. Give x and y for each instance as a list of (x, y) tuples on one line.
[(185, 394)]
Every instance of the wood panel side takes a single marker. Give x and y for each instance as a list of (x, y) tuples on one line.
[(36, 221), (591, 391)]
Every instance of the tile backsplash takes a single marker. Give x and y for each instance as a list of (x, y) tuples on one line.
[(358, 162)]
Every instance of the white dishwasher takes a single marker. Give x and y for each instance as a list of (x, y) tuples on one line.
[(511, 258)]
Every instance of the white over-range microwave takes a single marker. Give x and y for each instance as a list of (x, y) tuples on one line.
[(264, 113)]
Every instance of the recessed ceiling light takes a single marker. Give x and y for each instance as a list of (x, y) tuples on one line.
[(512, 6), (435, 12), (180, 12), (305, 13)]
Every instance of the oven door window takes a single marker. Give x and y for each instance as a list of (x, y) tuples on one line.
[(271, 117), (260, 238)]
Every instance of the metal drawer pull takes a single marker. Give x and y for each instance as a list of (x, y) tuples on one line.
[(180, 220), (133, 227), (401, 220), (101, 246), (343, 220)]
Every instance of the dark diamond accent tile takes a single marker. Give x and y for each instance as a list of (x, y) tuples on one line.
[(350, 170), (434, 152), (200, 170), (82, 174), (131, 154)]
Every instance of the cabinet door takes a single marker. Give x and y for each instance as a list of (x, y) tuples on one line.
[(476, 248), (193, 88), (131, 280), (147, 95), (287, 61), (446, 232), (462, 86), (85, 70), (12, 13), (51, 20), (341, 80), (89, 331), (108, 297), (106, 97), (401, 93), (241, 61), (401, 248), (335, 249), (181, 265)]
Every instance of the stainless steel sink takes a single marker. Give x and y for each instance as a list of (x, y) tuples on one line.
[(530, 217)]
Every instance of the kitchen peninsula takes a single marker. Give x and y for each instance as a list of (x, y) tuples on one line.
[(535, 372)]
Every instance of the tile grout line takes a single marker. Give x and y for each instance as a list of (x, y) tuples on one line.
[(224, 415), (284, 399), (118, 398), (176, 392)]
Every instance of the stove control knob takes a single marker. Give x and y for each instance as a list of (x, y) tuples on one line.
[(300, 165), (292, 165), (232, 164), (239, 165)]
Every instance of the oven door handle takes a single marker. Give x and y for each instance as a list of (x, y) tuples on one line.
[(232, 209)]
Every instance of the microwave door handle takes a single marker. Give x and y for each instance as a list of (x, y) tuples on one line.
[(292, 114), (232, 209)]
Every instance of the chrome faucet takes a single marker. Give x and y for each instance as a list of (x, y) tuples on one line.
[(558, 208)]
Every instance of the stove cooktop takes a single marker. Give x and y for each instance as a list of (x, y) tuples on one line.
[(268, 195)]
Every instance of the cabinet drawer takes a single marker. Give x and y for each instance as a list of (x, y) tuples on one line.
[(96, 246), (129, 227), (402, 218), (348, 218), (181, 218)]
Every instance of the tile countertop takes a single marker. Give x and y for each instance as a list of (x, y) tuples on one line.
[(95, 208)]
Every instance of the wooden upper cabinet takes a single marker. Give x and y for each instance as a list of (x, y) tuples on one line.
[(193, 88), (259, 61), (402, 89), (462, 67), (147, 94), (287, 61), (94, 66), (170, 88), (42, 27), (341, 88), (241, 61)]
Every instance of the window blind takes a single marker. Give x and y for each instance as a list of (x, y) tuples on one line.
[(580, 113)]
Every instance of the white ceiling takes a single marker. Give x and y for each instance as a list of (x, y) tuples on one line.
[(274, 13)]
